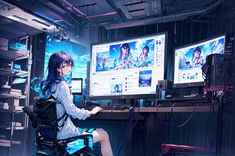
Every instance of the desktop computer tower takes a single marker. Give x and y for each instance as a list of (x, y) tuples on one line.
[(164, 89), (216, 70)]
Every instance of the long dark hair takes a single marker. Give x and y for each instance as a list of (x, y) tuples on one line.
[(125, 46), (197, 49), (55, 62), (147, 49)]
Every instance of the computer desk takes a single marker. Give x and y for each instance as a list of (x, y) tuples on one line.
[(200, 108), (148, 114), (123, 114)]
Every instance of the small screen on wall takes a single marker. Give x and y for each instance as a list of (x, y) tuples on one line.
[(79, 53)]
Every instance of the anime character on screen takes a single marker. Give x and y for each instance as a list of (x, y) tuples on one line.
[(101, 62), (197, 59), (143, 58), (117, 89), (125, 59)]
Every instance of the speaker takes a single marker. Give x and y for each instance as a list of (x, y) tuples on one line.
[(164, 85), (164, 89)]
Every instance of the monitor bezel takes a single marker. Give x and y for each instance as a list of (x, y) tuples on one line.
[(134, 96), (78, 79), (193, 84)]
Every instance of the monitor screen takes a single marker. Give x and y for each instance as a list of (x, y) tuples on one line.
[(189, 60), (128, 67), (76, 86)]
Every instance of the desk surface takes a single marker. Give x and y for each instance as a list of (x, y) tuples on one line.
[(123, 114), (201, 108)]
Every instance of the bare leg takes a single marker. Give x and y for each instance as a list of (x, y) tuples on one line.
[(100, 135)]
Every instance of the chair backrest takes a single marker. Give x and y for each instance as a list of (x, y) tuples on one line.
[(47, 123), (44, 117)]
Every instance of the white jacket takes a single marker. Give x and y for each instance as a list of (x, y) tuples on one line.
[(65, 104)]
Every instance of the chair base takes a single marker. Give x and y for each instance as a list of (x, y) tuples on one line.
[(55, 152)]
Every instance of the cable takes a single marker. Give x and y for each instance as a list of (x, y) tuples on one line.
[(131, 115), (127, 132), (134, 122), (144, 125), (69, 14), (111, 116), (181, 125)]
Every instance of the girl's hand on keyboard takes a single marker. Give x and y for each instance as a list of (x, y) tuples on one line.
[(96, 109)]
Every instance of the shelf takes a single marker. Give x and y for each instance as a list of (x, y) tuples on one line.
[(9, 72), (2, 137), (7, 143), (11, 55), (22, 57), (6, 72), (10, 96), (10, 111), (9, 127), (21, 73)]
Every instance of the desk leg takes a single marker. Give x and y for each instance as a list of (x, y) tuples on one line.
[(129, 138), (149, 149), (219, 127), (153, 135)]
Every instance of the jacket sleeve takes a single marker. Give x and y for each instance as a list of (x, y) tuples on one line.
[(65, 98)]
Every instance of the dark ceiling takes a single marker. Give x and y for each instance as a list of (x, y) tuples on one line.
[(111, 14)]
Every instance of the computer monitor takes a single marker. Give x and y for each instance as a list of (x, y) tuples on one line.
[(76, 86), (190, 58), (127, 68)]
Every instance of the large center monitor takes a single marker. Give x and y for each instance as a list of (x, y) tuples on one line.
[(127, 68), (189, 60)]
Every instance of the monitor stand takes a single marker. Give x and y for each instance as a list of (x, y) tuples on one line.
[(123, 103), (134, 102)]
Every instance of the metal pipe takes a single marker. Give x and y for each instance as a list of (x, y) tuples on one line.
[(164, 19), (74, 8), (101, 15)]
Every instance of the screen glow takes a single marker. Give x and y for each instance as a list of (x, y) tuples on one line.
[(76, 86), (190, 59), (128, 67)]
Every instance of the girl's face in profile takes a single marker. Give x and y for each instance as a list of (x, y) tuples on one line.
[(196, 54), (124, 50), (66, 69), (145, 51)]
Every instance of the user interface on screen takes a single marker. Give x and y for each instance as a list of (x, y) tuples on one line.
[(190, 59), (128, 67)]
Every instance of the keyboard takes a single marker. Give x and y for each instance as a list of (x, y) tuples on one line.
[(115, 107)]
